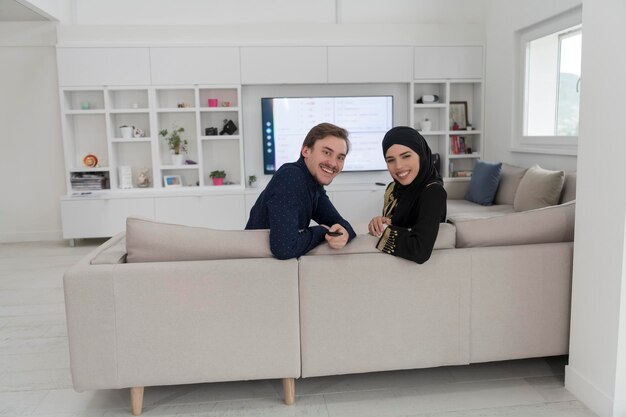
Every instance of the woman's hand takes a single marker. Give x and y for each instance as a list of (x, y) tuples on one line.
[(378, 225)]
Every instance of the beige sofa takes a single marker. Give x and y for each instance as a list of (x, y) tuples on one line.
[(167, 304)]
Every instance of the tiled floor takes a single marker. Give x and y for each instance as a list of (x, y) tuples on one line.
[(35, 378)]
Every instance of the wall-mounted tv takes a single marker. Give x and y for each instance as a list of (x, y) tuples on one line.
[(287, 120)]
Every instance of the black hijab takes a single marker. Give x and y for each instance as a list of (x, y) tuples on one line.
[(407, 196)]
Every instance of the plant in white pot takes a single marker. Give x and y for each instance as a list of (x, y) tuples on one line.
[(176, 143)]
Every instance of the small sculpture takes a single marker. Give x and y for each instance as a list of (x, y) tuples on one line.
[(143, 179)]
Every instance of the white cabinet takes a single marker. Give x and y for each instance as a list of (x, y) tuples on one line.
[(432, 62), (103, 66), (225, 212), (283, 65), (368, 64), (101, 217), (458, 145), (195, 65), (358, 206)]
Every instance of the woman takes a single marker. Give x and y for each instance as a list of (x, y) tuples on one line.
[(415, 202)]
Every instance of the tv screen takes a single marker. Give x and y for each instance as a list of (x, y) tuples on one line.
[(287, 120)]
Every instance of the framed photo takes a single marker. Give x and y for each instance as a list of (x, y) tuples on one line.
[(172, 181), (458, 114)]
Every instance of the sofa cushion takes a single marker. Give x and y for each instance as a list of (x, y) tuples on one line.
[(152, 241), (569, 188), (510, 177), (366, 243), (545, 225), (538, 188), (484, 183), (113, 251)]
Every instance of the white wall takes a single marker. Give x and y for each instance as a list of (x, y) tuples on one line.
[(597, 367), (504, 18), (31, 161)]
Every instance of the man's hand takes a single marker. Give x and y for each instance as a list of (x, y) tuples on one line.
[(337, 242), (378, 225)]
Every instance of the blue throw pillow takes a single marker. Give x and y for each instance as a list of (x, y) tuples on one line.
[(484, 183)]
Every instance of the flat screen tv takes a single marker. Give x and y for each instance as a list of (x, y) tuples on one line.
[(287, 120)]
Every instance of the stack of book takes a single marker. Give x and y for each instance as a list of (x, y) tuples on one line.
[(89, 181), (463, 173)]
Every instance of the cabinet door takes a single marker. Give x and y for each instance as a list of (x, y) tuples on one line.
[(103, 66), (195, 65), (364, 64), (358, 207), (283, 65), (448, 62), (225, 212), (101, 217)]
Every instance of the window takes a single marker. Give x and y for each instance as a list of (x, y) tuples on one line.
[(549, 83)]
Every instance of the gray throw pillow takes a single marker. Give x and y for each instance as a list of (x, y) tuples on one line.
[(538, 188), (510, 177), (153, 241)]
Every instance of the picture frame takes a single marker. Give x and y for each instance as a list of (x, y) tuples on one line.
[(458, 114), (170, 181)]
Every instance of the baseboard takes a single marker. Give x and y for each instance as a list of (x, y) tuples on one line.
[(30, 236), (587, 393)]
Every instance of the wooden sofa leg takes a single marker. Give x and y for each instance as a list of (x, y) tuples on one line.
[(136, 400), (289, 389)]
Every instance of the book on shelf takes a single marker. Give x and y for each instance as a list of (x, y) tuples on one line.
[(83, 181), (458, 145), (462, 173)]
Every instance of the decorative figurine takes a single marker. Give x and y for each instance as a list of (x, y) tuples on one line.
[(143, 179)]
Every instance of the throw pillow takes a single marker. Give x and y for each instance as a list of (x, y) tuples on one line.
[(510, 177), (538, 188), (484, 183), (152, 241)]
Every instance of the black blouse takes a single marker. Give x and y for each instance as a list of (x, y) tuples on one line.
[(414, 241)]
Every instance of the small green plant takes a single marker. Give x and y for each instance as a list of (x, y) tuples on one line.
[(251, 180), (217, 174), (173, 139)]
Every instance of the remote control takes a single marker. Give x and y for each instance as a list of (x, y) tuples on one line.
[(329, 233)]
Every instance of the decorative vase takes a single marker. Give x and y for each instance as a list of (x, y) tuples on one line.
[(218, 181), (177, 159), (425, 125)]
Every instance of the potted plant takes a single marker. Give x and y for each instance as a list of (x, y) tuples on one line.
[(252, 181), (175, 143), (217, 177), (127, 131)]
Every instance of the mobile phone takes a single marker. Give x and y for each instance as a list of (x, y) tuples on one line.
[(329, 233)]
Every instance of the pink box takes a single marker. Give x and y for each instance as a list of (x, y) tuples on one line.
[(212, 102)]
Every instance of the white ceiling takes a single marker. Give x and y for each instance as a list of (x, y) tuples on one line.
[(13, 11)]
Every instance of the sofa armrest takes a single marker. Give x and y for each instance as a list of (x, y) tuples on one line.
[(545, 225), (456, 188)]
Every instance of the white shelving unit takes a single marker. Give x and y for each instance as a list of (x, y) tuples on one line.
[(92, 118), (442, 137)]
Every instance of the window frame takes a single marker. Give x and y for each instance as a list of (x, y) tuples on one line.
[(559, 145)]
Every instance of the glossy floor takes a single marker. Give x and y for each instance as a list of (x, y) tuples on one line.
[(35, 378)]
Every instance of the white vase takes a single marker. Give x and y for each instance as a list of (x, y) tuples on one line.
[(127, 132), (177, 159), (425, 125)]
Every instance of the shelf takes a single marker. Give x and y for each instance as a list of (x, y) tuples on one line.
[(85, 169), (464, 132), (133, 140), (429, 106), (220, 137), (473, 155), (432, 132), (219, 109), (129, 111), (171, 167), (84, 112), (177, 110)]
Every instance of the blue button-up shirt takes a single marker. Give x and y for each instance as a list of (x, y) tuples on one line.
[(291, 199)]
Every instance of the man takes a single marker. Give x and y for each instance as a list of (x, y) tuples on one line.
[(296, 194)]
